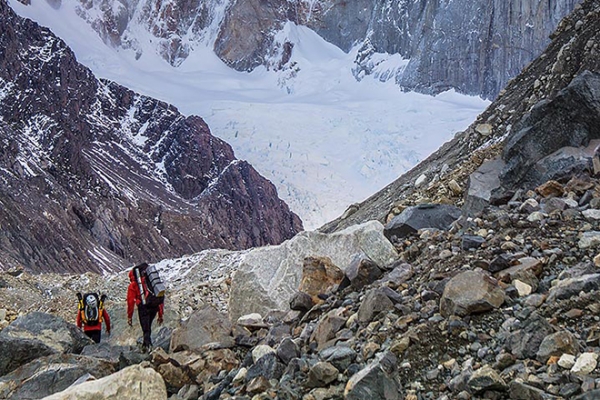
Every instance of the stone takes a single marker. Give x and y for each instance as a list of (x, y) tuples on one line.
[(439, 216), (522, 288), (526, 265), (566, 361), (362, 271), (530, 140), (481, 185), (261, 350), (287, 350), (319, 276), (470, 292), (484, 129), (266, 278), (301, 301), (328, 326), (589, 239), (267, 366), (321, 374), (375, 301), (134, 382), (526, 341), (472, 242), (203, 327), (557, 344), (585, 364), (486, 378), (551, 189), (252, 321), (501, 262), (375, 381), (570, 287), (339, 356)]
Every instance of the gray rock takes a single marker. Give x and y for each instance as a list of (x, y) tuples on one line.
[(267, 366), (375, 381), (438, 216), (571, 287), (287, 350), (267, 277), (48, 375), (525, 342), (472, 242), (486, 378), (470, 292), (125, 382), (339, 356), (203, 327), (301, 301), (15, 352), (375, 301), (362, 271), (572, 118), (481, 185), (556, 344), (53, 331), (520, 390)]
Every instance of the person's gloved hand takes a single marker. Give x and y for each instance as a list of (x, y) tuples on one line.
[(160, 320), (129, 322), (108, 333)]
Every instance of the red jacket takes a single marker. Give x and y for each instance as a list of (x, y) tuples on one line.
[(98, 326), (134, 298)]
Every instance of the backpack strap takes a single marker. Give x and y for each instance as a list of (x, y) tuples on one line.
[(81, 307)]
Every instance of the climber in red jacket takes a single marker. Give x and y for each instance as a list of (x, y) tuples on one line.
[(147, 310), (91, 314)]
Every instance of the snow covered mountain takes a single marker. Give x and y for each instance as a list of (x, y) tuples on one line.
[(323, 138), (95, 176)]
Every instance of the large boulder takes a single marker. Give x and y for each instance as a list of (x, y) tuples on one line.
[(203, 327), (470, 292), (135, 382), (48, 375), (35, 335), (266, 278), (572, 119), (438, 216)]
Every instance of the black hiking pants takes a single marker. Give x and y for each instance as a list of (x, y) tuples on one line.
[(146, 314), (94, 335)]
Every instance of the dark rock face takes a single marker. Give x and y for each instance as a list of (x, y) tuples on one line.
[(572, 118), (95, 177)]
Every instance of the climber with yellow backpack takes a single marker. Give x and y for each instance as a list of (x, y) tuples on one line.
[(90, 315)]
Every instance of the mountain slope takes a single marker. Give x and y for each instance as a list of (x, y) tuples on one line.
[(96, 177), (574, 49)]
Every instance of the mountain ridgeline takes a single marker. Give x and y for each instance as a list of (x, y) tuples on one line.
[(96, 177), (474, 47)]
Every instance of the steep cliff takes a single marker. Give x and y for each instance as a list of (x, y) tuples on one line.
[(95, 176), (474, 47)]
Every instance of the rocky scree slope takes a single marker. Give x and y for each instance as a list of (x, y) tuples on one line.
[(474, 47), (96, 177)]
